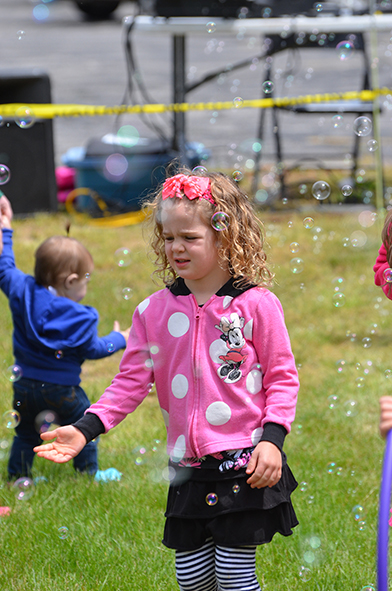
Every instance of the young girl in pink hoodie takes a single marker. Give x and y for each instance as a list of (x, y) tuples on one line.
[(215, 344)]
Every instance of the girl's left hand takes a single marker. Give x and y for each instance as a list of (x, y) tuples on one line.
[(265, 465)]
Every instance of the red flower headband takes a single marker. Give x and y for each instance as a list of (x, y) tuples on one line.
[(193, 187)]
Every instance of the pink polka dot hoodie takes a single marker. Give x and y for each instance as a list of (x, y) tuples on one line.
[(224, 372)]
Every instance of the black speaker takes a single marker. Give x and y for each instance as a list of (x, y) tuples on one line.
[(28, 152)]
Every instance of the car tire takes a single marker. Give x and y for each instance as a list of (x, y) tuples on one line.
[(97, 8)]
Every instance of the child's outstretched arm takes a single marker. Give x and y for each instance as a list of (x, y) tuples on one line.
[(125, 333), (6, 212), (68, 443), (265, 465), (385, 415)]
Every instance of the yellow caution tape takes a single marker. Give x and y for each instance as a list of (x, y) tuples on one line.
[(49, 111)]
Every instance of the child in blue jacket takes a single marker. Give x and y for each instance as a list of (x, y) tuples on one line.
[(53, 335)]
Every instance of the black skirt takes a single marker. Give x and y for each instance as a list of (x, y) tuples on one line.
[(228, 510)]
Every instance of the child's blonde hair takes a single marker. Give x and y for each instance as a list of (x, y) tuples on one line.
[(240, 244), (386, 236), (58, 257)]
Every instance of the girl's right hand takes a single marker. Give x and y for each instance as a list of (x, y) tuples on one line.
[(68, 443)]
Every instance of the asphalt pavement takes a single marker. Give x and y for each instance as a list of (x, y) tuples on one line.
[(86, 63)]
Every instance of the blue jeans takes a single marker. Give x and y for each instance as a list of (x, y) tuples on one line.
[(33, 399)]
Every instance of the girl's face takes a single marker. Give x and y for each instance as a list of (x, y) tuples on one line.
[(191, 245)]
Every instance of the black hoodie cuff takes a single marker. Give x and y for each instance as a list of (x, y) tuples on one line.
[(90, 425), (274, 433)]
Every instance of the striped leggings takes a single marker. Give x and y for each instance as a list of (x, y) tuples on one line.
[(216, 568)]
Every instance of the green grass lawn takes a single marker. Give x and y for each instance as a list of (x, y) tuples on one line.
[(113, 535)]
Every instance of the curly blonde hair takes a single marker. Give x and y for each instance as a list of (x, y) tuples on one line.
[(240, 244)]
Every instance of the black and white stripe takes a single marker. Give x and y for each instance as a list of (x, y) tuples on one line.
[(216, 568)]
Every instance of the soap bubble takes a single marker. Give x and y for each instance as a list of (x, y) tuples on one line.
[(5, 174), (267, 86), (308, 222), (58, 354), (338, 299), (116, 165), (254, 379), (238, 102), (387, 275), (360, 382), (20, 34), (368, 588), (296, 265), (44, 420), (362, 126), (337, 121), (220, 221), (123, 257), (110, 348), (358, 512), (303, 188), (199, 171), (305, 574), (24, 117), (211, 499), (366, 218), (24, 488), (11, 419), (303, 487), (358, 239), (211, 26), (63, 532), (367, 342), (237, 175), (236, 488), (331, 467), (347, 190), (294, 247), (372, 145), (14, 373), (127, 293), (333, 401), (321, 190), (318, 7), (340, 365), (351, 408), (345, 49)]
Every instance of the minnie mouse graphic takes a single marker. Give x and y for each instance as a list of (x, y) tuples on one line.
[(231, 333)]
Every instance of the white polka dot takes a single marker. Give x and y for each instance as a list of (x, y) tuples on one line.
[(256, 435), (218, 413), (178, 324), (179, 386), (254, 381), (143, 305), (178, 451), (227, 301), (217, 348), (248, 330), (165, 415)]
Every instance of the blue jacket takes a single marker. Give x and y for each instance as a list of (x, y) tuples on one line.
[(52, 335)]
